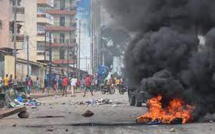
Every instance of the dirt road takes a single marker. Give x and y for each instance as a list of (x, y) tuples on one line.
[(63, 115)]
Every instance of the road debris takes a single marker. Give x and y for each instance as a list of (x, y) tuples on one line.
[(50, 117), (50, 130), (88, 113), (114, 105), (100, 101), (172, 130), (23, 114)]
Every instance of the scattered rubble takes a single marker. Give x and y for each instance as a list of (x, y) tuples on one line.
[(172, 130), (114, 105), (50, 117), (50, 130), (23, 114), (100, 101), (88, 113)]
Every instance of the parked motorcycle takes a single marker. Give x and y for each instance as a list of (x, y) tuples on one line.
[(107, 89)]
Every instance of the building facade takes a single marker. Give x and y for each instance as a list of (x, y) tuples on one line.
[(7, 8), (63, 31), (26, 23), (43, 19), (7, 25)]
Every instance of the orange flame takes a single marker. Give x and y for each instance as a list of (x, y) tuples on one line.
[(175, 110)]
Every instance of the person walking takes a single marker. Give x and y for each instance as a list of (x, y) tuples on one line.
[(88, 85), (78, 84), (54, 85), (65, 84), (59, 83), (73, 83)]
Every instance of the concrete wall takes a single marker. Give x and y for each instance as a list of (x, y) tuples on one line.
[(9, 65), (4, 18), (22, 72), (30, 28)]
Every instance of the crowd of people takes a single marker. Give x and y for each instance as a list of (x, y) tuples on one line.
[(7, 82), (62, 84)]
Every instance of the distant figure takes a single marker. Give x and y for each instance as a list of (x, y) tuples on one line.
[(26, 80), (54, 85), (45, 85), (37, 85), (59, 83), (15, 83), (1, 84), (65, 84), (73, 83), (30, 83), (88, 85), (78, 84), (11, 81), (6, 82)]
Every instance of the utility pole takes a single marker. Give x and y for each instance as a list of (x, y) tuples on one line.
[(86, 64), (50, 58), (79, 50), (92, 36), (14, 36), (27, 38), (67, 43), (45, 54), (62, 49)]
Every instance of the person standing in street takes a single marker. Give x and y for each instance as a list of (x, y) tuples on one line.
[(29, 85), (11, 81), (37, 85), (45, 85), (6, 82), (1, 84), (65, 84), (88, 85), (26, 80), (15, 83), (54, 85), (73, 83), (59, 83)]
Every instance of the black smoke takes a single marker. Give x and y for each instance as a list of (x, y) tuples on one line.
[(166, 57)]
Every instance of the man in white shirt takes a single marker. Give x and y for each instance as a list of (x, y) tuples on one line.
[(73, 82)]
